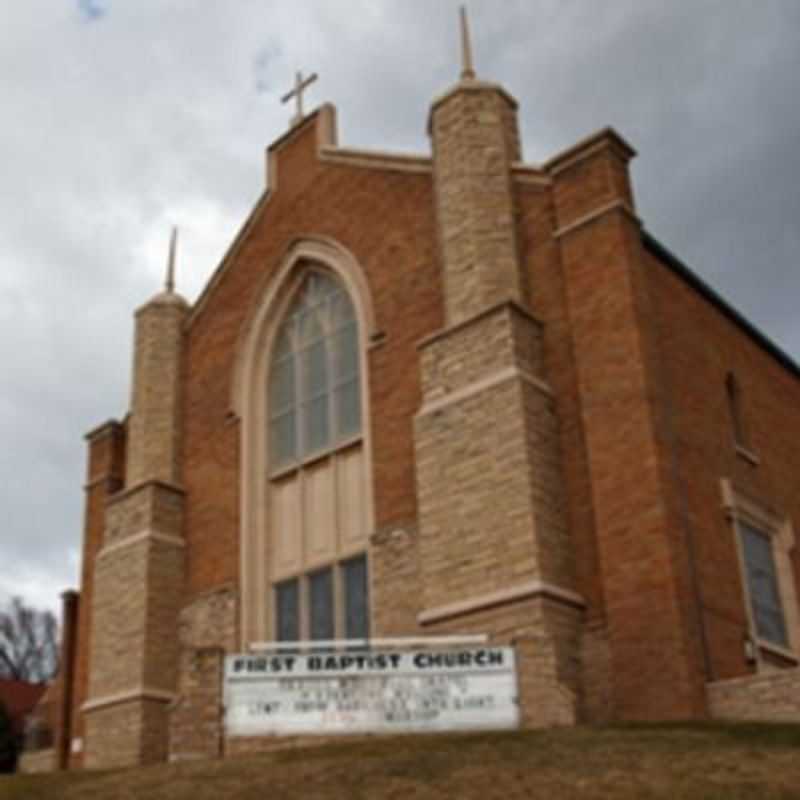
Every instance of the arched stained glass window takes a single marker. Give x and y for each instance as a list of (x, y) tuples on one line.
[(314, 393)]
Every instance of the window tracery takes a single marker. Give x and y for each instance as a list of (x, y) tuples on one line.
[(316, 475), (314, 385)]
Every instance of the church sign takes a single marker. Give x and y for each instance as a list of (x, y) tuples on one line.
[(371, 692)]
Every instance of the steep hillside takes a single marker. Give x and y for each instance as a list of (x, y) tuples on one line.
[(724, 762)]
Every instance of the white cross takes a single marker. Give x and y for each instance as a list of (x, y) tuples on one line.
[(299, 85)]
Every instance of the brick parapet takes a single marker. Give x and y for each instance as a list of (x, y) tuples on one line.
[(106, 448), (590, 177)]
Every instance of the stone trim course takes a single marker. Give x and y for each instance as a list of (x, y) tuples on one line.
[(501, 597)]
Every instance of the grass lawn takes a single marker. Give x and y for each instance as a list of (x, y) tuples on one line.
[(677, 761)]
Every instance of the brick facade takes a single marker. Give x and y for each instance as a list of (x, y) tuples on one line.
[(547, 435)]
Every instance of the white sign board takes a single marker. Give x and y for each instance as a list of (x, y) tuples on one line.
[(371, 692)]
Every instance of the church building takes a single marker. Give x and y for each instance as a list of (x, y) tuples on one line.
[(447, 394)]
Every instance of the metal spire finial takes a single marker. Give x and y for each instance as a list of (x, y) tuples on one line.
[(467, 67), (169, 284)]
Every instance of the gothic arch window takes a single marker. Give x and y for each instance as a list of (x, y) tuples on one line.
[(314, 396), (301, 392), (317, 530)]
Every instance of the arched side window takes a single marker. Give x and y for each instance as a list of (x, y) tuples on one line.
[(314, 394), (316, 468)]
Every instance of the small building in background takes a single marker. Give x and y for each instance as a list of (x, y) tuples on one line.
[(20, 699)]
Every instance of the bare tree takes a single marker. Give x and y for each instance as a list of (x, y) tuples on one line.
[(28, 642)]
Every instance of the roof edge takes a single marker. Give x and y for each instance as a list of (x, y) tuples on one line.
[(199, 304), (677, 266)]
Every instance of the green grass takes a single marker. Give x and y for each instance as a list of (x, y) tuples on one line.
[(676, 761)]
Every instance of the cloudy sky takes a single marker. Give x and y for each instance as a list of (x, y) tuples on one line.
[(122, 117)]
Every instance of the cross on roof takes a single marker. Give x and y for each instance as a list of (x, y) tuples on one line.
[(300, 84)]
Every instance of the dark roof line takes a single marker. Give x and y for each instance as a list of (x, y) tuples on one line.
[(677, 266)]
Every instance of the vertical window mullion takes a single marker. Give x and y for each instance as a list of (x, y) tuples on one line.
[(339, 626), (297, 355), (321, 605), (330, 361), (748, 604)]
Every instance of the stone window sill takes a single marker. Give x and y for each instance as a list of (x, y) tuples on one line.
[(311, 458), (778, 650)]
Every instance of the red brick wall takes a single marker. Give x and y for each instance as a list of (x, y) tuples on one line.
[(385, 218), (635, 527), (541, 263), (700, 345)]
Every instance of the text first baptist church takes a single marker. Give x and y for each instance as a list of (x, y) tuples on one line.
[(455, 393)]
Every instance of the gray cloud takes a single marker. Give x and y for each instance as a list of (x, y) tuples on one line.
[(92, 10), (121, 119)]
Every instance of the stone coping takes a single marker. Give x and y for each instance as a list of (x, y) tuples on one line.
[(523, 591), (511, 305), (153, 483), (594, 143)]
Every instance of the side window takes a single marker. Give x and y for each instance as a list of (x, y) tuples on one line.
[(765, 541), (762, 585)]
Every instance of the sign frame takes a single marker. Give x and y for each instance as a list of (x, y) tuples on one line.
[(370, 691)]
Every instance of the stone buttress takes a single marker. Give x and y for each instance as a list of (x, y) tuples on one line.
[(495, 550), (140, 566)]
